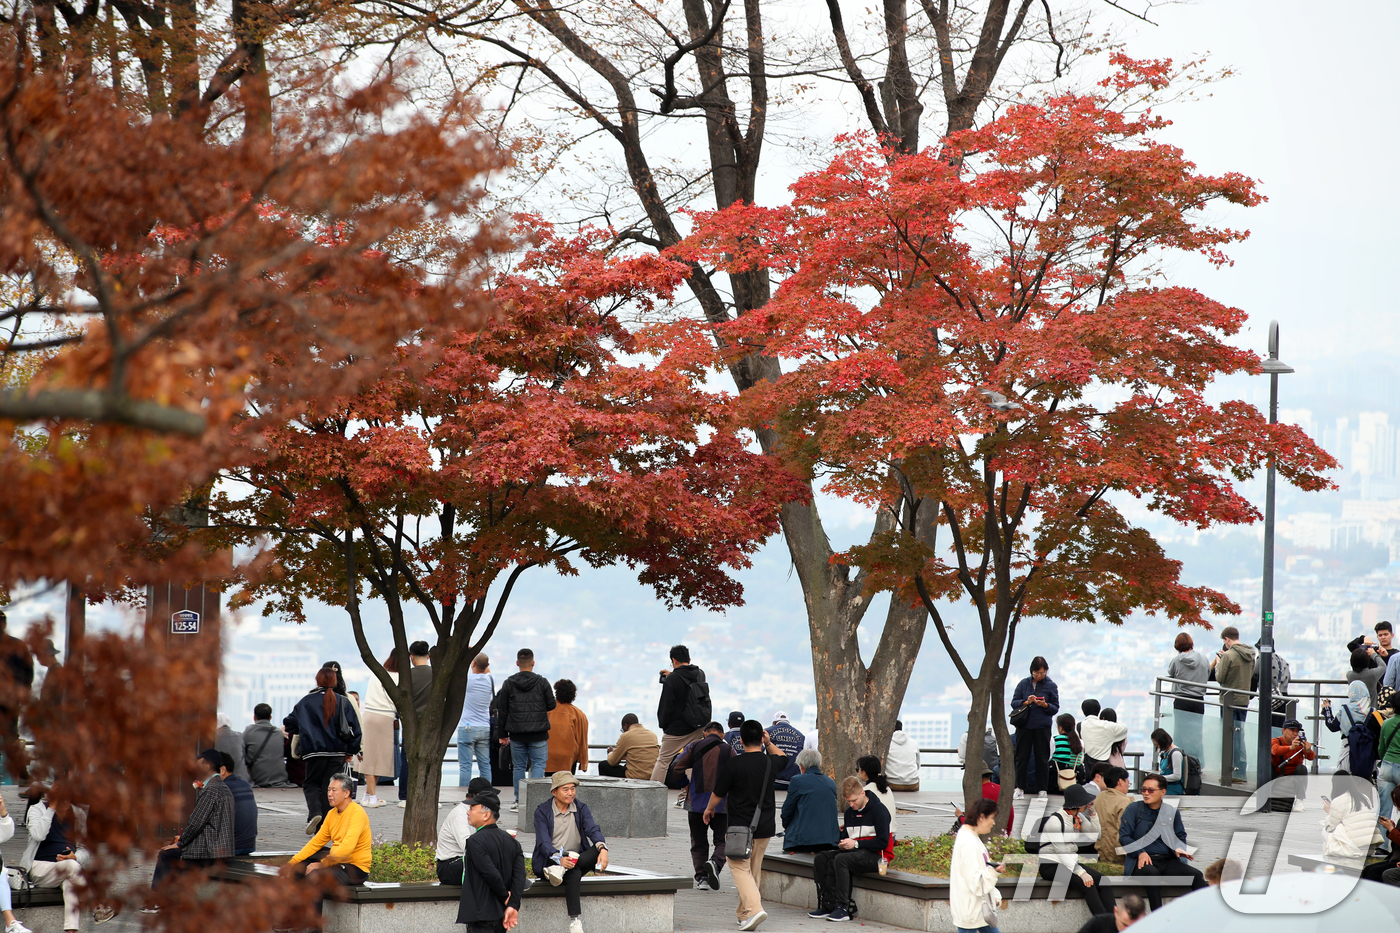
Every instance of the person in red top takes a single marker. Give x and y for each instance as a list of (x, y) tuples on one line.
[(1291, 754), (990, 791)]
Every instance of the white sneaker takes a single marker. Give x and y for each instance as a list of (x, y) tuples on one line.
[(403, 804), (312, 825), (575, 925), (17, 927), (372, 802), (1019, 795), (514, 808), (753, 922), (554, 874), (1042, 795)]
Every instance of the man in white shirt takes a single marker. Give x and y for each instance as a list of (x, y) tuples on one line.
[(452, 836), (1098, 736)]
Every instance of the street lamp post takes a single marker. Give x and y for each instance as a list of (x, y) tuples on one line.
[(1274, 367)]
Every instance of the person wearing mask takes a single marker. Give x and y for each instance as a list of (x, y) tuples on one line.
[(682, 711), (452, 835), (329, 737), (865, 842), (522, 711), (1171, 761), (494, 867), (736, 719), (377, 755), (1041, 698), (51, 859), (877, 782), (262, 750), (420, 685), (745, 787), (972, 875), (1188, 697), (346, 832), (991, 753), (791, 740), (1233, 667), (704, 759), (902, 761), (1124, 915), (1366, 670), (209, 832), (1110, 804), (474, 728), (245, 807), (568, 843), (637, 747), (568, 732), (811, 822), (1061, 834), (1154, 839)]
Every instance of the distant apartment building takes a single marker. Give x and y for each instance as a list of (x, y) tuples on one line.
[(931, 730)]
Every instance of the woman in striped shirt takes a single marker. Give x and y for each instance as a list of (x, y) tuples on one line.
[(1069, 750)]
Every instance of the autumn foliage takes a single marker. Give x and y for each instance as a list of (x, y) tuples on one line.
[(986, 349)]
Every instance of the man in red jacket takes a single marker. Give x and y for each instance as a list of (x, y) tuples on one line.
[(1291, 754)]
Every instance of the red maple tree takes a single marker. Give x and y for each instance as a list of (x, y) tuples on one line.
[(555, 435), (985, 349)]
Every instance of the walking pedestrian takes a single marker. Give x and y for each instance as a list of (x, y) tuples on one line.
[(377, 756), (323, 746), (746, 787), (683, 709), (705, 758), (1188, 699), (972, 877), (1233, 667), (474, 728), (522, 712), (568, 732), (1040, 698), (494, 866)]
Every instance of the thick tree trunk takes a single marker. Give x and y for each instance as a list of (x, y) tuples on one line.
[(424, 748)]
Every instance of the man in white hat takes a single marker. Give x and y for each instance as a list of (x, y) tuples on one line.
[(568, 843)]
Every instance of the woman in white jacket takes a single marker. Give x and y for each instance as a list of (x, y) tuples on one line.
[(7, 832), (1351, 819), (972, 896)]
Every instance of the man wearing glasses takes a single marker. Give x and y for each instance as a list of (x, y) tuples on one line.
[(1153, 840)]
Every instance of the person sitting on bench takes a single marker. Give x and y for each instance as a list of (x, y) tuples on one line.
[(867, 836), (1153, 839)]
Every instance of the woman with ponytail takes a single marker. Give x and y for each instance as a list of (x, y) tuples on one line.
[(872, 775), (329, 735)]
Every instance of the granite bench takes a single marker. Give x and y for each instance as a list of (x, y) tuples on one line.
[(622, 807)]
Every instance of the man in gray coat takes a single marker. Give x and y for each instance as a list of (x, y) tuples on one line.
[(262, 750)]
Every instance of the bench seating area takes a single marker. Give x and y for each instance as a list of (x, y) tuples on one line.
[(919, 902)]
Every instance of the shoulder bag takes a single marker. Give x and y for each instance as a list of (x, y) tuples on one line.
[(739, 839), (249, 761)]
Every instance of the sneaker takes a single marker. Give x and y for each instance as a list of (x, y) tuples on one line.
[(701, 885), (1019, 795), (818, 914), (150, 910), (372, 802), (312, 825), (753, 921), (838, 915), (100, 914), (18, 927), (1042, 795), (680, 803), (515, 808), (403, 804), (554, 874), (711, 874), (575, 925)]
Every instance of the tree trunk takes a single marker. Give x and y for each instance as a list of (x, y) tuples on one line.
[(424, 747)]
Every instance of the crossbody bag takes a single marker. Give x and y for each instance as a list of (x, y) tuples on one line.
[(739, 839)]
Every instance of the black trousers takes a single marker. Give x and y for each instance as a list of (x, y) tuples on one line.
[(1166, 865), (833, 870), (700, 836), (318, 777), (346, 876), (1374, 872), (170, 862), (573, 877), (1033, 742), (486, 926), (449, 870), (1099, 897)]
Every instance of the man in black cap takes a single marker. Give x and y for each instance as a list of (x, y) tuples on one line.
[(736, 719), (456, 830), (495, 869)]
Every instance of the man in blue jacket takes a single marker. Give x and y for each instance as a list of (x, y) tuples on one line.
[(1153, 840), (704, 758), (859, 853), (568, 843)]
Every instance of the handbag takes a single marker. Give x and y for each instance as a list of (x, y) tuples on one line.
[(1018, 719), (343, 730), (740, 838)]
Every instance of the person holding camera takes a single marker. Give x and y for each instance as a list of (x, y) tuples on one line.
[(683, 710)]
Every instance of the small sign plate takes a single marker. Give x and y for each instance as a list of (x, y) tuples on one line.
[(184, 622), (1268, 616)]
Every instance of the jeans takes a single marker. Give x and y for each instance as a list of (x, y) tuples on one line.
[(473, 741), (978, 930), (1387, 776), (1241, 761), (528, 756)]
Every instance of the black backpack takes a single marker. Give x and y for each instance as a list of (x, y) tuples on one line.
[(696, 709), (1193, 775)]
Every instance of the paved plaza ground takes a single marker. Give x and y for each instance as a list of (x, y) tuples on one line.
[(1210, 823)]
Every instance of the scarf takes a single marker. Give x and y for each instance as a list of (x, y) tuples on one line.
[(1358, 700)]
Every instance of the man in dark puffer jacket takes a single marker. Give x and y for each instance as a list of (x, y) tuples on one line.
[(522, 708)]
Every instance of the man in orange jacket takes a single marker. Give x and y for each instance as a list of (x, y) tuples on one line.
[(1291, 753)]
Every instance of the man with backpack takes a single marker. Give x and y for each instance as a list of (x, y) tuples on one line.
[(705, 759), (522, 708), (683, 710), (1059, 838)]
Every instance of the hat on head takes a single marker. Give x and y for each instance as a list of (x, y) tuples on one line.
[(1293, 724), (487, 797), (559, 779), (477, 785), (1076, 796), (986, 771), (736, 719), (780, 716)]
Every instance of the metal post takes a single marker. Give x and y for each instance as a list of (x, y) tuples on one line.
[(1265, 764)]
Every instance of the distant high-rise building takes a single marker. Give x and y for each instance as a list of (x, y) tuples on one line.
[(277, 667)]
